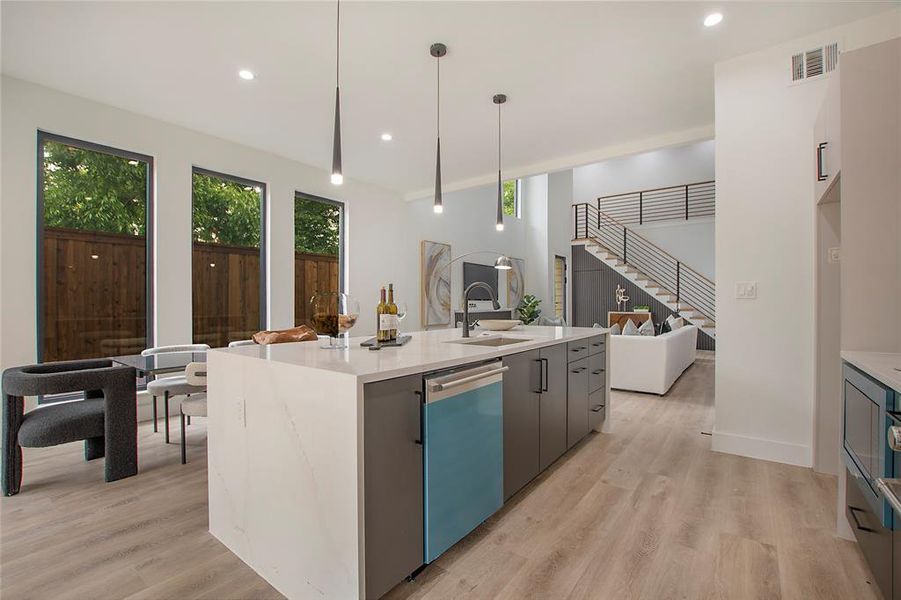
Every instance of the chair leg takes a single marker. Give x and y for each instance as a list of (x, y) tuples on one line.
[(155, 426), (94, 448), (166, 413), (184, 458)]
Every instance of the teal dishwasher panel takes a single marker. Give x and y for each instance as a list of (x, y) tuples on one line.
[(464, 464)]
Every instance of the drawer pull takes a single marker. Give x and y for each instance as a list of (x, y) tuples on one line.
[(597, 408), (598, 372), (854, 510)]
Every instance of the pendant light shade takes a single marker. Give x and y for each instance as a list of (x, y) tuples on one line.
[(499, 225), (337, 175), (438, 50)]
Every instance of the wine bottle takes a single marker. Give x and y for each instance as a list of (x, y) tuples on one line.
[(392, 312), (382, 317)]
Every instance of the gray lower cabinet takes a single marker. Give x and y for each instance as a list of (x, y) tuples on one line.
[(392, 472), (577, 404), (522, 389), (553, 401), (874, 540)]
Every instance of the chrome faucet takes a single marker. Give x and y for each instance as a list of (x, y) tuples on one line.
[(472, 286)]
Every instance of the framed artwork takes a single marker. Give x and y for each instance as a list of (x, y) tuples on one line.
[(436, 283), (516, 282)]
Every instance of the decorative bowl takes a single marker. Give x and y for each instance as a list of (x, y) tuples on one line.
[(499, 324)]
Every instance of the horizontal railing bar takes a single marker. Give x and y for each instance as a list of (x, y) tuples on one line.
[(698, 183)]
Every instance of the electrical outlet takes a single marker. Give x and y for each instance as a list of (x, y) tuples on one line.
[(835, 255), (746, 290)]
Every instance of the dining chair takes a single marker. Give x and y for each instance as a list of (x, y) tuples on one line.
[(195, 406), (171, 386)]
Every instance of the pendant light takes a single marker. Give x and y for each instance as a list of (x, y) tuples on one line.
[(499, 225), (337, 175), (438, 50)]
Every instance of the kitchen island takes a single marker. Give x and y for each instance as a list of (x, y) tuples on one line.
[(316, 456)]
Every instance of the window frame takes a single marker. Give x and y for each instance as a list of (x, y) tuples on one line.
[(264, 237), (517, 198), (342, 221), (149, 261)]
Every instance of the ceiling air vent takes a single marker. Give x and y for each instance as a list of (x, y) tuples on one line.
[(813, 63)]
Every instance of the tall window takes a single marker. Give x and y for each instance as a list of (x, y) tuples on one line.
[(93, 245), (511, 196), (228, 258), (318, 251), (560, 287)]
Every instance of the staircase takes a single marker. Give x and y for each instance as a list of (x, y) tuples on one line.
[(651, 268)]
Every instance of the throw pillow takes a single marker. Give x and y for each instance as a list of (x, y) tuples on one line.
[(616, 329), (664, 327), (647, 328), (677, 323), (630, 328)]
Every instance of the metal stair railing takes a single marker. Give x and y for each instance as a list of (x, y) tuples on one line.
[(691, 289), (661, 204)]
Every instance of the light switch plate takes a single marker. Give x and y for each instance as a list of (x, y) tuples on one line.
[(746, 290), (835, 255)]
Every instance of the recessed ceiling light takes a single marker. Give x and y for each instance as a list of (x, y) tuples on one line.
[(387, 137), (713, 19), (246, 75)]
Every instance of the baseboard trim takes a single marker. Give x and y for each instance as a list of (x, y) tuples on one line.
[(764, 449)]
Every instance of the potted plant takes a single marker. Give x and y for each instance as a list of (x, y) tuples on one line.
[(528, 309)]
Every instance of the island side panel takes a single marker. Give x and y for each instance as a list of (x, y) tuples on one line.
[(284, 492)]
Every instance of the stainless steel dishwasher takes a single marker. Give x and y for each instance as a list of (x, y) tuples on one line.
[(463, 433)]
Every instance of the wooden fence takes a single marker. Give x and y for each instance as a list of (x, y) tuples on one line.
[(95, 291)]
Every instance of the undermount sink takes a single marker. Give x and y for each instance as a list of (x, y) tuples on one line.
[(489, 341)]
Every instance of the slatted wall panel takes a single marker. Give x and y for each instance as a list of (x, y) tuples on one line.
[(594, 295)]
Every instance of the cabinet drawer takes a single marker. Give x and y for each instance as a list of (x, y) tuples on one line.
[(597, 409), (577, 402), (597, 344), (874, 540), (577, 350), (597, 371)]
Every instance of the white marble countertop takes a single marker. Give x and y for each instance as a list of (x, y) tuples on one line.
[(426, 351), (882, 366)]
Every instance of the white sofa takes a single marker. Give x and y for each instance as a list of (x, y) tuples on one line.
[(651, 364)]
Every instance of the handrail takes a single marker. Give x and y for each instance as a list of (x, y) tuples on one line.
[(688, 285), (680, 202), (660, 189)]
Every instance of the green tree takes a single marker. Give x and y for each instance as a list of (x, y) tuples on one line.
[(93, 191), (509, 197), (225, 211), (317, 227)]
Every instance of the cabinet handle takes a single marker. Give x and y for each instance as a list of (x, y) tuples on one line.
[(418, 395), (540, 375), (598, 372), (820, 175), (596, 344), (854, 510), (597, 408), (546, 375)]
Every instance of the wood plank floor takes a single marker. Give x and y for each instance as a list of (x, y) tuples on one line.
[(646, 512)]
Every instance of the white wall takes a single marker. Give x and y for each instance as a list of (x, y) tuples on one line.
[(535, 216), (468, 225), (692, 242), (675, 165), (765, 233), (375, 218), (559, 234)]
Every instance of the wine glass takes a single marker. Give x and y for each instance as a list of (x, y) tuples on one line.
[(401, 313), (334, 314)]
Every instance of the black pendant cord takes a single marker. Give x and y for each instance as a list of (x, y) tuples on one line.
[(337, 168)]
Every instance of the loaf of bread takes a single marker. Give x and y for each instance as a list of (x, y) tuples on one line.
[(301, 333)]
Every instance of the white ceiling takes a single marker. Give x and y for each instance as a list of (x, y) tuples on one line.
[(579, 76)]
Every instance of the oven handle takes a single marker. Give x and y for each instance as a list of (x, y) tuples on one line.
[(888, 494)]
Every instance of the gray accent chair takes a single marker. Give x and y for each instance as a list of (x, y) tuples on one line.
[(552, 321), (107, 418), (171, 386)]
